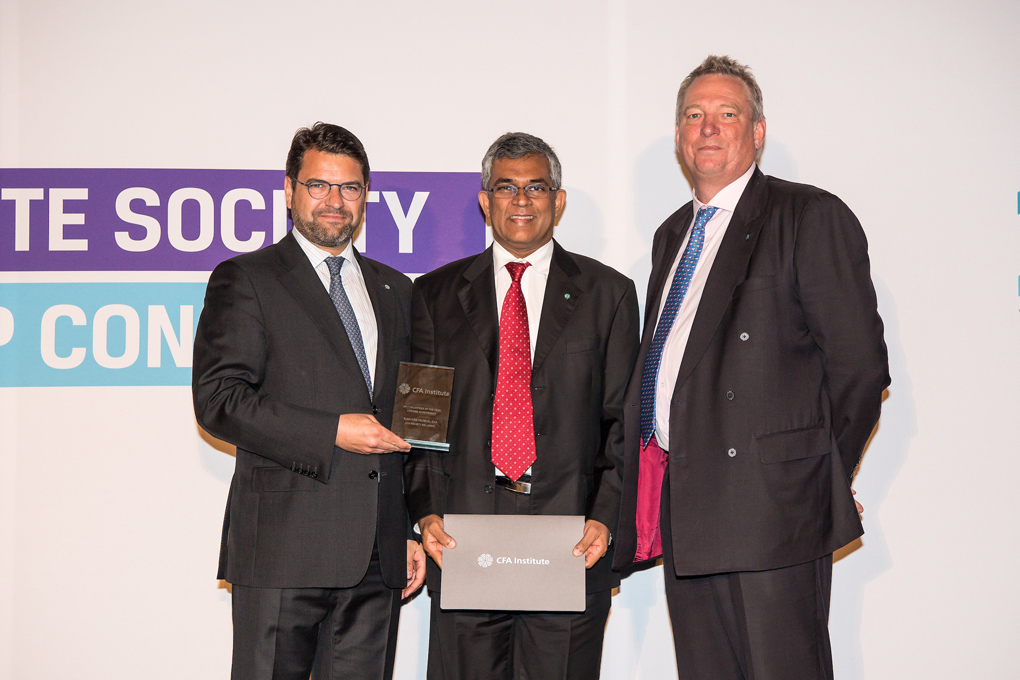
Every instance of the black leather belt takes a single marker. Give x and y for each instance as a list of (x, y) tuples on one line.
[(522, 485)]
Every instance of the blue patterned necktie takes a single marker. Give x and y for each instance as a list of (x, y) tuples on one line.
[(343, 306), (675, 298)]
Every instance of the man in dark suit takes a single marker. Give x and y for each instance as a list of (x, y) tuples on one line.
[(296, 360), (758, 383), (543, 342)]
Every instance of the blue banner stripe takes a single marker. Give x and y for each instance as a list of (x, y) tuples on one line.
[(91, 334)]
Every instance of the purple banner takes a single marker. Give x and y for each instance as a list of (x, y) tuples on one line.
[(190, 220)]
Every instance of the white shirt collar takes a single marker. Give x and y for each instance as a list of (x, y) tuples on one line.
[(729, 196), (317, 255), (540, 259)]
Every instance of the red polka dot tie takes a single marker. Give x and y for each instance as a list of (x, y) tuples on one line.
[(513, 423)]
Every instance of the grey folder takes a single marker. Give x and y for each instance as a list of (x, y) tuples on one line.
[(513, 563)]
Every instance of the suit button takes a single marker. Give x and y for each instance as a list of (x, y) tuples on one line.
[(729, 395), (373, 475), (744, 336), (488, 488), (375, 410), (732, 453)]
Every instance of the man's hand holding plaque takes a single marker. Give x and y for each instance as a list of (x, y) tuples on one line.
[(421, 407)]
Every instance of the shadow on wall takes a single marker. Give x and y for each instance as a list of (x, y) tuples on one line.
[(776, 160), (220, 467), (214, 462), (643, 583), (883, 459), (581, 228), (660, 187)]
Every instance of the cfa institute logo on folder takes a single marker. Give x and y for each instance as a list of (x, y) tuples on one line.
[(513, 563)]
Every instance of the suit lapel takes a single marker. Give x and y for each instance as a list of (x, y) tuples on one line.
[(673, 236), (385, 318), (728, 270), (561, 299), (300, 279), (478, 299)]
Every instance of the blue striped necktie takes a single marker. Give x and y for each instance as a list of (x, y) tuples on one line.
[(343, 306)]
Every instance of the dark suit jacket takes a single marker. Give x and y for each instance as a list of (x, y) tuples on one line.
[(779, 388), (587, 341), (273, 371)]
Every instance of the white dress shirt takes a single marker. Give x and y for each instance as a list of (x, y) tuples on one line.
[(676, 342), (532, 286), (532, 283), (354, 286)]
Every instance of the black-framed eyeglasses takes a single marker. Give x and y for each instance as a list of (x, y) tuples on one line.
[(349, 191), (533, 191)]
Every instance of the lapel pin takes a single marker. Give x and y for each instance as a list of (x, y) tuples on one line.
[(747, 238), (386, 286), (566, 296)]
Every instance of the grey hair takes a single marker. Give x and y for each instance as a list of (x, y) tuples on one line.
[(515, 145), (724, 66)]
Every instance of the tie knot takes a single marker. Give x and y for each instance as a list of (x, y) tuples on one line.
[(334, 264), (516, 270), (705, 213)]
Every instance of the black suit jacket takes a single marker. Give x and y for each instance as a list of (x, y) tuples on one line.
[(273, 371), (587, 341), (779, 388)]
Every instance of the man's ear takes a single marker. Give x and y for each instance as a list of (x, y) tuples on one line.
[(483, 201)]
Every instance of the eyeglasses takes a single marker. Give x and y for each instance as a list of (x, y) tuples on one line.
[(534, 191), (349, 191)]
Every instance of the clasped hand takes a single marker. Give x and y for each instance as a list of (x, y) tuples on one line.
[(593, 544)]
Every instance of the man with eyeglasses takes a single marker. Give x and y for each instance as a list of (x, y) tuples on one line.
[(542, 342), (295, 363)]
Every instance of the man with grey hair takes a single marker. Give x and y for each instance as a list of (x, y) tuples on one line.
[(543, 342), (758, 383)]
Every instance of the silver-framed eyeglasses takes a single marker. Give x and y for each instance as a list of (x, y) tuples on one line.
[(349, 191), (533, 191)]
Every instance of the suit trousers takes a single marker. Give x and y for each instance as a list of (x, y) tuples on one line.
[(332, 633), (750, 625), (506, 645)]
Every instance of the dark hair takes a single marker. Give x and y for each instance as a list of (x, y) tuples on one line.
[(326, 138), (518, 145), (724, 66)]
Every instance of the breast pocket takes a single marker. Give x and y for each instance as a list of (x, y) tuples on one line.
[(582, 344), (754, 283)]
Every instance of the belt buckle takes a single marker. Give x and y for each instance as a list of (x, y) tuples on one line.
[(514, 486)]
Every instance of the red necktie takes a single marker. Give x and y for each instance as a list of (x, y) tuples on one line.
[(513, 424)]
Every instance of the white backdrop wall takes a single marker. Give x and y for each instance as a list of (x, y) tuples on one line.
[(111, 498)]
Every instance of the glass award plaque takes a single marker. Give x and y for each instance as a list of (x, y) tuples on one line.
[(421, 407)]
